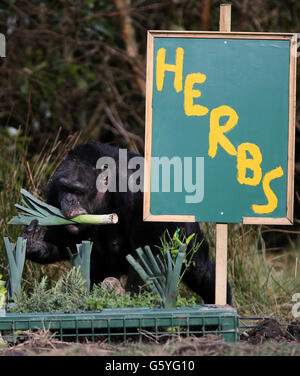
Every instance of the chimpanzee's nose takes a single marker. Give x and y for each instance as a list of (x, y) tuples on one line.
[(71, 200)]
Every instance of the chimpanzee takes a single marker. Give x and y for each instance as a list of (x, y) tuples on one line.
[(73, 189)]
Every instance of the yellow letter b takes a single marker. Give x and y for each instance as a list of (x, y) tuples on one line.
[(244, 163)]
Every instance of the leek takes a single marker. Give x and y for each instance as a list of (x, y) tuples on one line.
[(161, 279), (16, 260), (48, 215), (81, 259)]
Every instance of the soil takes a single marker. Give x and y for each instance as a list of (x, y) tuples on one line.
[(294, 330), (269, 337), (270, 329)]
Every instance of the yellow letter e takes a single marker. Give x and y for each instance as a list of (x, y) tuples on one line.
[(190, 108)]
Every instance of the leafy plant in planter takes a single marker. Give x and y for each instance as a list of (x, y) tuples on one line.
[(100, 298), (16, 260), (82, 259), (163, 273), (70, 294), (67, 295)]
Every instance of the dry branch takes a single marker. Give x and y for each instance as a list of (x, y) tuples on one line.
[(205, 15), (128, 32)]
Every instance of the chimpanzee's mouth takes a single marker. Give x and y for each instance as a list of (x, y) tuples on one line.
[(74, 228)]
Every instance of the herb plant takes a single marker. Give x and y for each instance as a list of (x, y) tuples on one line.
[(162, 273), (70, 294)]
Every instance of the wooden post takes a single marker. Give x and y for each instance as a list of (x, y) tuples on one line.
[(222, 228), (221, 263), (225, 18)]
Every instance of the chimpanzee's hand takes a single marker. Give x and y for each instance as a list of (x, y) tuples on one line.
[(35, 246)]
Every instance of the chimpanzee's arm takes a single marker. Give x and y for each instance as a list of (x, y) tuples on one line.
[(40, 245)]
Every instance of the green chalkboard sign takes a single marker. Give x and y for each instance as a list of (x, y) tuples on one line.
[(220, 123)]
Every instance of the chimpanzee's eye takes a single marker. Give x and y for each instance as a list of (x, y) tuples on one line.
[(77, 192)]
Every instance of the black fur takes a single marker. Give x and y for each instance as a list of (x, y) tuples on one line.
[(73, 187)]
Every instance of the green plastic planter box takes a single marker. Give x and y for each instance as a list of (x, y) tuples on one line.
[(127, 323)]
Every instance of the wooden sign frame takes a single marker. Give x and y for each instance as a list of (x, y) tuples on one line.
[(288, 219), (222, 228)]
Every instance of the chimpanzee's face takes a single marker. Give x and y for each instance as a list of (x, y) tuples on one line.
[(76, 191)]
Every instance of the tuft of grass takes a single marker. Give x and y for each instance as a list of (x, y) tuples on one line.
[(263, 281), (19, 168)]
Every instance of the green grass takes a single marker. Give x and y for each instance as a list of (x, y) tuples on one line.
[(263, 281), (18, 168)]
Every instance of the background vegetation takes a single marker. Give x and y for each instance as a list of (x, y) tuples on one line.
[(75, 71)]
